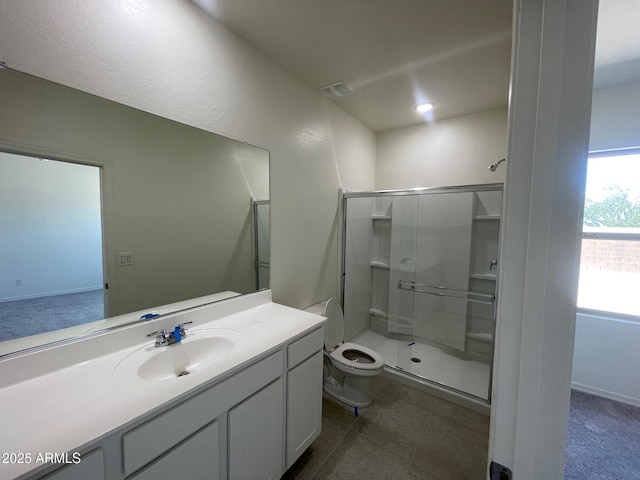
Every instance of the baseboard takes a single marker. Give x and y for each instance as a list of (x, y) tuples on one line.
[(52, 294), (606, 394)]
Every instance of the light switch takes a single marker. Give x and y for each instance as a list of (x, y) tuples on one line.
[(124, 259)]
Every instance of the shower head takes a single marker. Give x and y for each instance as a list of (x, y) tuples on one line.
[(494, 167)]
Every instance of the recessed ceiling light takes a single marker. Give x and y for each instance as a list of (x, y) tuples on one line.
[(424, 107)]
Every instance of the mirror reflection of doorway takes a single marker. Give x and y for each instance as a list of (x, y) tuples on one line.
[(51, 261)]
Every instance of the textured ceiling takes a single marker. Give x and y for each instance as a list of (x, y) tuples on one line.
[(394, 54), (397, 53)]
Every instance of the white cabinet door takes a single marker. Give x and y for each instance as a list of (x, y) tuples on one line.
[(91, 466), (304, 406), (196, 459), (256, 437)]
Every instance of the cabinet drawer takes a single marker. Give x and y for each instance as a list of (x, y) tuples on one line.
[(156, 436), (305, 347)]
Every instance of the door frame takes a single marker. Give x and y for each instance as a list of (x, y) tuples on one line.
[(549, 118), (109, 289)]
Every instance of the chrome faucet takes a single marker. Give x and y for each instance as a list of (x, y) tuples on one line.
[(164, 339)]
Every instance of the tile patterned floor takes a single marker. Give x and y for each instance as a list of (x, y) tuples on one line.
[(405, 434)]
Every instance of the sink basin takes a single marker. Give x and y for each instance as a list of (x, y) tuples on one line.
[(199, 351)]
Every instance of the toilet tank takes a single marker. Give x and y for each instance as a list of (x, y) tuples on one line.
[(334, 328)]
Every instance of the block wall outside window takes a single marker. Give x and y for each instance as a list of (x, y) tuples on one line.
[(613, 255), (610, 276)]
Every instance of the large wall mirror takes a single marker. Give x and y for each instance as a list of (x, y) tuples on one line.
[(108, 213)]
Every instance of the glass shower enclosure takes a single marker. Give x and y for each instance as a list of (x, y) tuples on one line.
[(420, 278), (261, 242)]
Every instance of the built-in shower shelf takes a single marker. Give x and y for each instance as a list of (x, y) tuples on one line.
[(378, 313), (483, 276), (377, 264), (486, 217), (484, 337), (381, 217)]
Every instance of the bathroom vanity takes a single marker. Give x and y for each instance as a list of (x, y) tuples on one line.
[(239, 397)]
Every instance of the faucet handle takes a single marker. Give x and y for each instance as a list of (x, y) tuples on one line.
[(182, 329), (157, 332), (161, 337)]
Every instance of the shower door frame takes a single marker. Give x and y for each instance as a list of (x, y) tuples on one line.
[(257, 263), (424, 191)]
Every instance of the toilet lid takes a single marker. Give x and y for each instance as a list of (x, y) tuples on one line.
[(334, 328)]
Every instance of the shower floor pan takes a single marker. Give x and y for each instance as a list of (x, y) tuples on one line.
[(430, 363)]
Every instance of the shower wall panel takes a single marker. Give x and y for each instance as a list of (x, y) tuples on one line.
[(358, 248)]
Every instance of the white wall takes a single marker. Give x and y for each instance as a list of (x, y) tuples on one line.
[(170, 58), (177, 197), (454, 151), (606, 358), (606, 355), (615, 117), (51, 230)]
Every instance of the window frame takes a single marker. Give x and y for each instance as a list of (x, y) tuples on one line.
[(590, 235)]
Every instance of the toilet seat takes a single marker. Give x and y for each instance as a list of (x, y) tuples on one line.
[(356, 367), (356, 363), (348, 367)]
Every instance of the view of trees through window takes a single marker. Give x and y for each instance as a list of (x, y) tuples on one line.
[(617, 209), (610, 260)]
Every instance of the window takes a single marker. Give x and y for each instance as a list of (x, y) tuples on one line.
[(610, 261)]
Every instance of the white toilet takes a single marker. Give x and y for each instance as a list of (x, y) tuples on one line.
[(348, 367)]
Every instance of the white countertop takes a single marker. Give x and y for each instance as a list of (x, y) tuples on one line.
[(64, 410)]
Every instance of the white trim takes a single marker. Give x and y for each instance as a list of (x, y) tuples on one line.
[(549, 115), (633, 235), (609, 315), (606, 394), (613, 152)]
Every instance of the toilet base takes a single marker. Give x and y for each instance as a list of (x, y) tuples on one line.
[(335, 392), (351, 390)]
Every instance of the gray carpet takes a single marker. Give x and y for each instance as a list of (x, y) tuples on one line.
[(603, 441), (20, 318)]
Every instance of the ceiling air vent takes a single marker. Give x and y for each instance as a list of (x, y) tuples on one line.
[(336, 90)]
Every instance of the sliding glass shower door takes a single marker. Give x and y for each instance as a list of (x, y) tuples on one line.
[(261, 242), (432, 276)]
